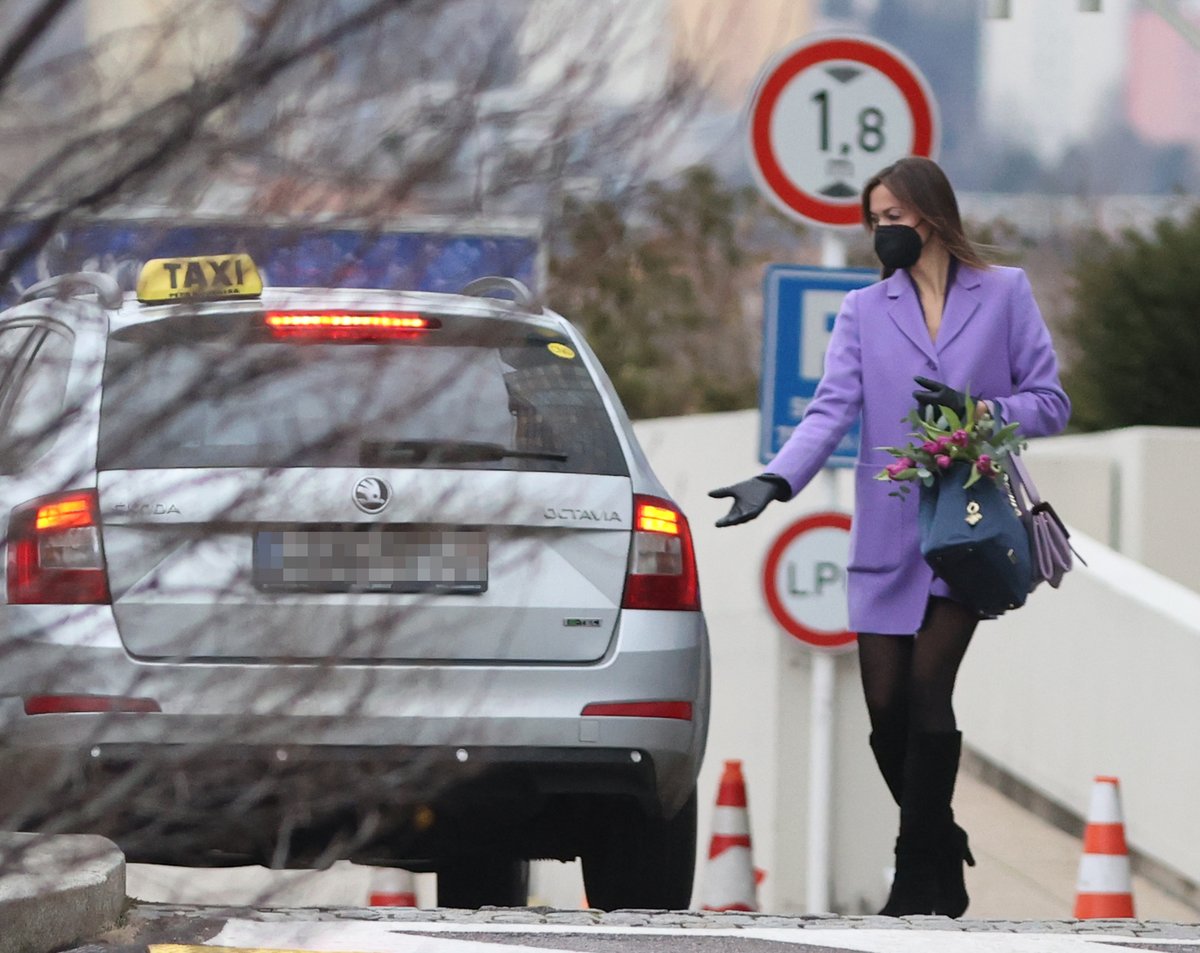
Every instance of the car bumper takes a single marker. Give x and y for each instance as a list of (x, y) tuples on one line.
[(244, 758)]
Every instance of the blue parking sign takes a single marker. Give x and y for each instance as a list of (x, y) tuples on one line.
[(800, 305)]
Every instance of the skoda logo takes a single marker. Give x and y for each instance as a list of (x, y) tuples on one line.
[(371, 494)]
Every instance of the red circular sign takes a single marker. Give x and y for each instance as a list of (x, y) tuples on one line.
[(804, 580), (827, 114)]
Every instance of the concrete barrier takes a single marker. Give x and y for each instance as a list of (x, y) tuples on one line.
[(1095, 678), (1099, 678), (56, 890)]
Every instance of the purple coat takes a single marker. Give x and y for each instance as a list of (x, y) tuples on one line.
[(992, 342)]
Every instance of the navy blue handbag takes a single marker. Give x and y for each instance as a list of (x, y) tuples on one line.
[(975, 540)]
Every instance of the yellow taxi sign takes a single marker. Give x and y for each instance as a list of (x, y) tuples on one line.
[(205, 276)]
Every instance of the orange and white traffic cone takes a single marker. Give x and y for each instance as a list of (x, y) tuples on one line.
[(730, 881), (1104, 888), (392, 887)]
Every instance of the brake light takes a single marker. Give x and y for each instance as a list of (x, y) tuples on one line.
[(662, 563), (54, 552), (334, 325), (678, 710), (75, 704)]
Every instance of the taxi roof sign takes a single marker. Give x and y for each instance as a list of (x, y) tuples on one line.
[(204, 276)]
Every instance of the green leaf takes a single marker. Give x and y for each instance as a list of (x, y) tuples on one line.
[(907, 474), (952, 419), (972, 479), (1006, 432)]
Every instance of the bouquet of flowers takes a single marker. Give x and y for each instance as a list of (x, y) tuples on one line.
[(941, 439)]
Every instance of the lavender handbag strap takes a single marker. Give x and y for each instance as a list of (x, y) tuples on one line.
[(1023, 487), (1021, 472)]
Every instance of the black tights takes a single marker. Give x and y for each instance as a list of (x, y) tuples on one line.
[(908, 682)]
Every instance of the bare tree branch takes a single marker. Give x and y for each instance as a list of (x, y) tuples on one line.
[(38, 23)]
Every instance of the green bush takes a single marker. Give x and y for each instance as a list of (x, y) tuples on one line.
[(1135, 329), (660, 284)]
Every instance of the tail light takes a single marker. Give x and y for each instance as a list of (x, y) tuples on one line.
[(91, 704), (681, 711), (662, 562), (54, 552), (347, 325)]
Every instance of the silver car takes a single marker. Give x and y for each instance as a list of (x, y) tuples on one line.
[(297, 575)]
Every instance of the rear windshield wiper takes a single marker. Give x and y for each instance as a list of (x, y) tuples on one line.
[(384, 452)]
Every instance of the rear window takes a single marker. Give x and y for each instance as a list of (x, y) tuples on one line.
[(226, 391)]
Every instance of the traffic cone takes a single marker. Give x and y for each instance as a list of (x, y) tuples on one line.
[(1104, 888), (392, 887), (730, 880)]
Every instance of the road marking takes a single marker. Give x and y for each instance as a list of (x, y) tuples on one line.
[(342, 936)]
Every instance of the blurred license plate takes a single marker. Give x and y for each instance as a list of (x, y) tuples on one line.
[(371, 560)]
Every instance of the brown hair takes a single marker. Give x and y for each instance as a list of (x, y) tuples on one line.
[(921, 184)]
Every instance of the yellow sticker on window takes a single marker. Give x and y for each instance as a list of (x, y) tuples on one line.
[(560, 350)]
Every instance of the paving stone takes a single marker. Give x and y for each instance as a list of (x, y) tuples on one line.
[(629, 918), (768, 921), (518, 916), (699, 920), (882, 923), (922, 922), (1169, 931)]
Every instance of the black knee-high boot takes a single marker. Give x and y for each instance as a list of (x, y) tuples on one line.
[(890, 748), (931, 848)]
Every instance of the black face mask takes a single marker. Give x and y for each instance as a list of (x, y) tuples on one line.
[(898, 246)]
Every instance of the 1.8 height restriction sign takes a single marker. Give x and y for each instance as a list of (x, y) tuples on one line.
[(829, 112)]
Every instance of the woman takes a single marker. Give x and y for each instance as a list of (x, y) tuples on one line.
[(942, 317)]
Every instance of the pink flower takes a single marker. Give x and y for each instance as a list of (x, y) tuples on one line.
[(943, 461), (942, 444), (984, 464), (895, 469), (960, 438), (930, 447)]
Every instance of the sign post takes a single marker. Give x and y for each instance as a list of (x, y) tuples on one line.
[(826, 113)]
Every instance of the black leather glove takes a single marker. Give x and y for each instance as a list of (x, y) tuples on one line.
[(750, 497), (936, 394)]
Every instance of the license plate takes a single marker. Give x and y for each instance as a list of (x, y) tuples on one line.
[(371, 559)]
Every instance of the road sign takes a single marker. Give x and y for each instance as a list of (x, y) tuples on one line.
[(804, 580), (799, 307), (828, 113)]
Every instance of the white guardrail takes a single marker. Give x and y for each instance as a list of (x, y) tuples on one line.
[(1099, 677)]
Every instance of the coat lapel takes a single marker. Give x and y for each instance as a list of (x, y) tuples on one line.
[(962, 302), (905, 310)]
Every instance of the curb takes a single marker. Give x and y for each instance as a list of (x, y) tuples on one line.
[(57, 889)]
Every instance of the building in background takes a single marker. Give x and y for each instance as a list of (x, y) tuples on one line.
[(1051, 77), (726, 45), (1161, 101)]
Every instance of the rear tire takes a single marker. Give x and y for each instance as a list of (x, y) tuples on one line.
[(639, 862), (469, 883)]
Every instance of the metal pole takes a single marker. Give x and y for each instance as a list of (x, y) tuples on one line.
[(820, 781), (822, 696)]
